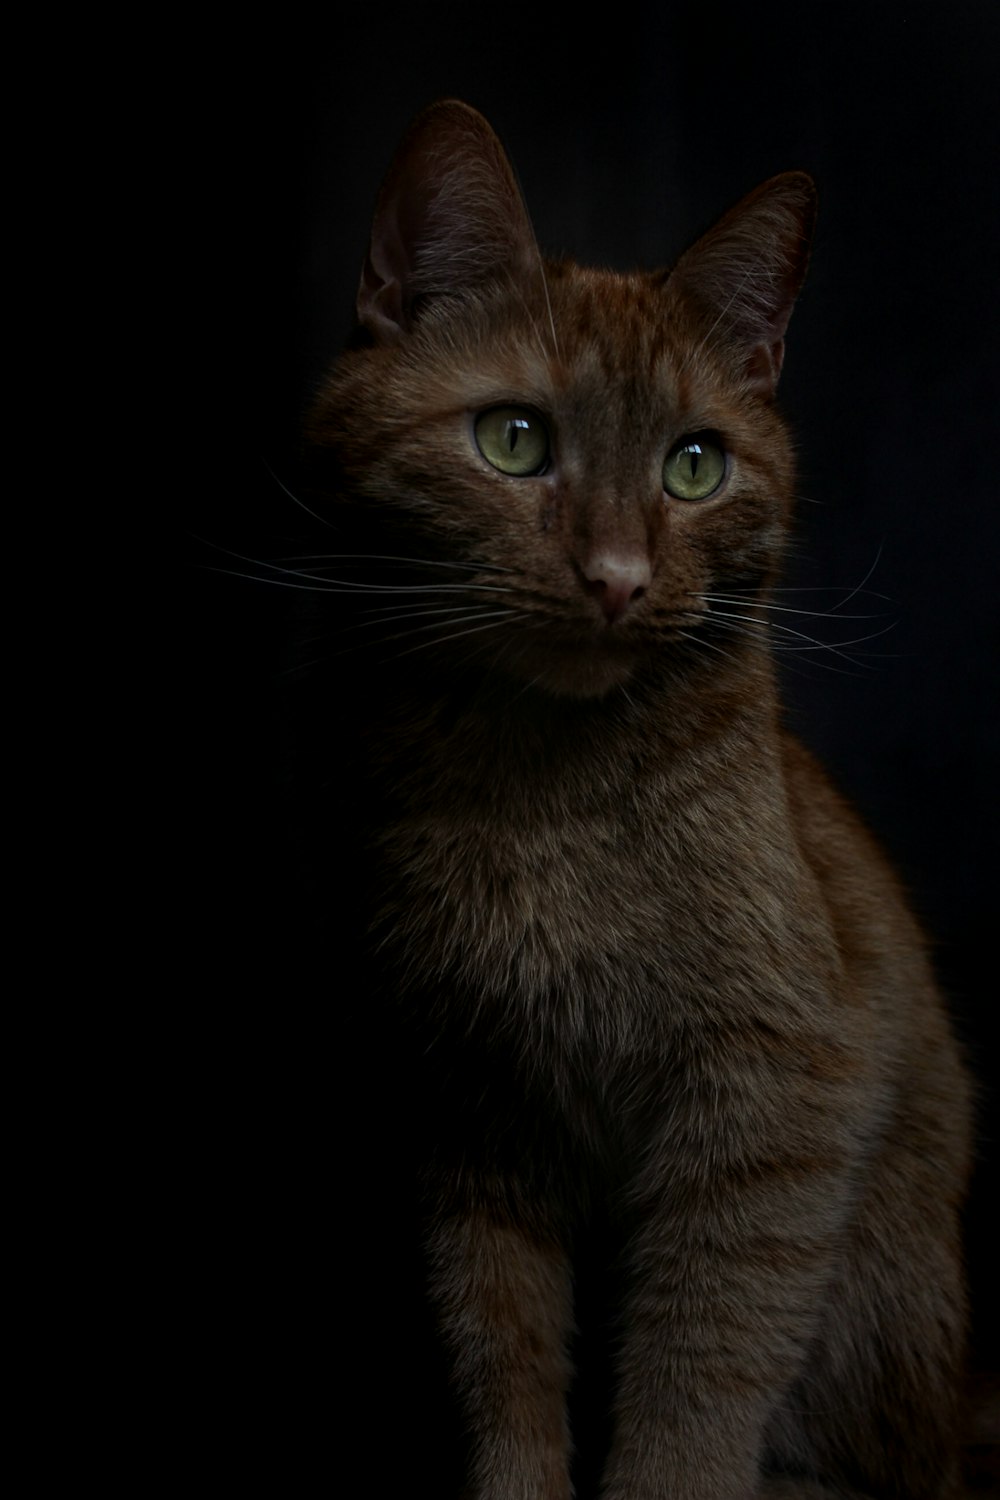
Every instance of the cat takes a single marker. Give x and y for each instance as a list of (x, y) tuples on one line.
[(653, 986)]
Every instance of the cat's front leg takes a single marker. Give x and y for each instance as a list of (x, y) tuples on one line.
[(704, 1352), (727, 1273), (503, 1298)]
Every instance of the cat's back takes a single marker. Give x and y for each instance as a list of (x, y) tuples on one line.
[(887, 972)]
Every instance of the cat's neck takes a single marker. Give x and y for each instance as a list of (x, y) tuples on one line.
[(478, 740)]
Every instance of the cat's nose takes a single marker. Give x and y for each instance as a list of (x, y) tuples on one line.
[(617, 582)]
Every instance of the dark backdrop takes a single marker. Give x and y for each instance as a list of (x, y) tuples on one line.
[(631, 131)]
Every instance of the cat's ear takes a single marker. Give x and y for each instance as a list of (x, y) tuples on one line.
[(745, 274), (449, 217)]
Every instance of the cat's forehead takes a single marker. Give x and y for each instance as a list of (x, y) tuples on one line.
[(616, 315), (583, 327), (615, 339)]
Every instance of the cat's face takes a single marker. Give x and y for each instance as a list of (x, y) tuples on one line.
[(599, 451)]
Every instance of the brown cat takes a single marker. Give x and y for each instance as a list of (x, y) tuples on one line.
[(648, 969)]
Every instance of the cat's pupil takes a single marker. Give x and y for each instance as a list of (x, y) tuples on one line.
[(514, 432), (693, 456)]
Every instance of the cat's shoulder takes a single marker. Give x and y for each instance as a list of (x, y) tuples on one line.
[(829, 828), (865, 897)]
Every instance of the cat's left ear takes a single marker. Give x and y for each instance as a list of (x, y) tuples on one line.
[(745, 274)]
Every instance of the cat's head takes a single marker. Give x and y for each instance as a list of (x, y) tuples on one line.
[(576, 459)]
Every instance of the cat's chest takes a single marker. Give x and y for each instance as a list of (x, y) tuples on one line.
[(626, 878), (561, 878)]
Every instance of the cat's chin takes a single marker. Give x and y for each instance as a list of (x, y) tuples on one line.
[(578, 674)]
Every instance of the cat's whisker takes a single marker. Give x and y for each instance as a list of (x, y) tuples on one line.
[(514, 284), (800, 635), (494, 614), (376, 642), (271, 582), (425, 588), (338, 585), (848, 592), (753, 591), (875, 562), (548, 304), (293, 497), (359, 586), (417, 562), (403, 635), (348, 587), (815, 614), (763, 641), (420, 613), (736, 595), (699, 641), (458, 635), (837, 648), (517, 292)]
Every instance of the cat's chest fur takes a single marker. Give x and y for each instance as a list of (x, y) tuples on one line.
[(603, 882)]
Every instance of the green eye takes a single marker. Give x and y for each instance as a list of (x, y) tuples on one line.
[(694, 469), (513, 440)]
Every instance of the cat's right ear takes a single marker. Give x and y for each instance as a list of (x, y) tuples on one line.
[(449, 217)]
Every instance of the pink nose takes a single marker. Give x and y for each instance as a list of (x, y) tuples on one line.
[(618, 582)]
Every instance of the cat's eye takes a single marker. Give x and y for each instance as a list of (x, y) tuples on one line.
[(513, 440), (694, 469)]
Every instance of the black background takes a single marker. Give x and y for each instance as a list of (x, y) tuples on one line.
[(631, 131)]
